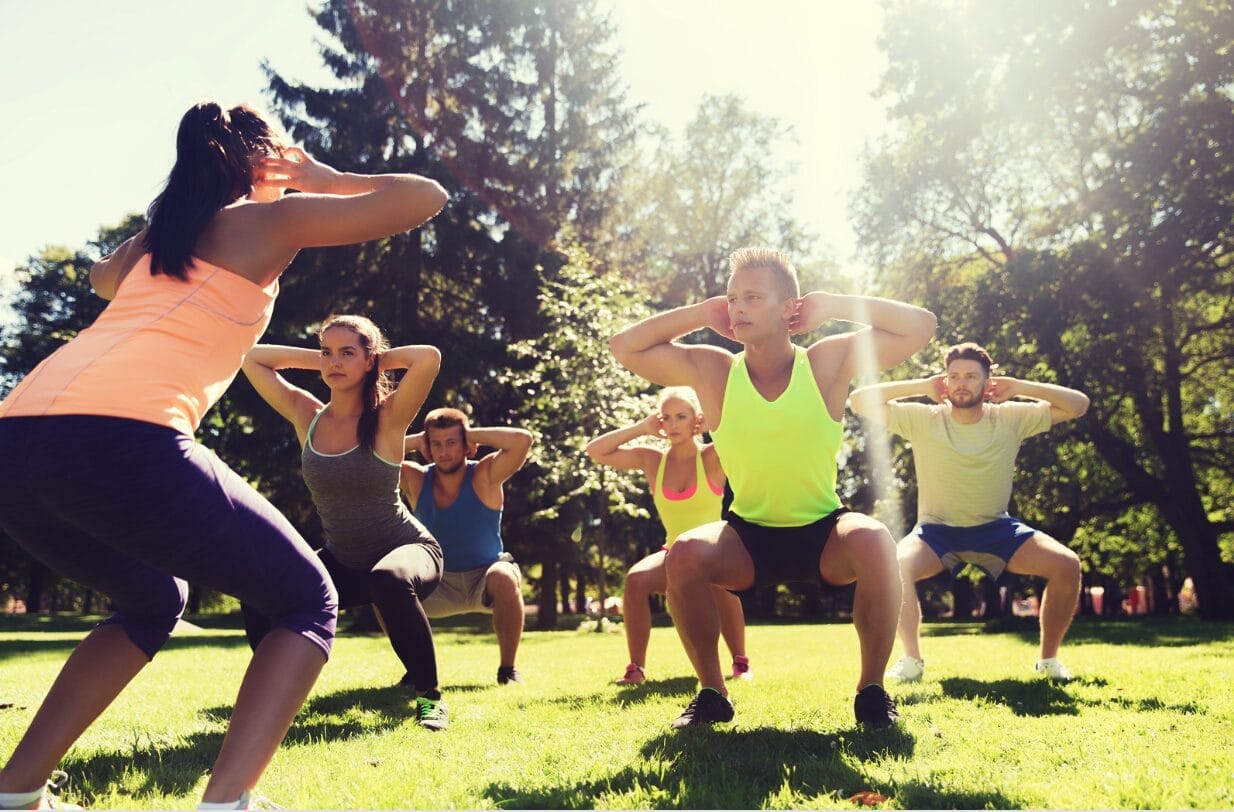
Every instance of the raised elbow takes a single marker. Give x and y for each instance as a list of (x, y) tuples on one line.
[(431, 358), (621, 347), (436, 194)]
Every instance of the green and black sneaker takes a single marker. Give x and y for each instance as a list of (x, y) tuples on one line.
[(431, 712)]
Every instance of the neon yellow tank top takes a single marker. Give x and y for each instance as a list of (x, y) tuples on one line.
[(689, 509), (780, 456)]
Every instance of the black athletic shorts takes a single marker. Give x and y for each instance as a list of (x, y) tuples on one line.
[(785, 554)]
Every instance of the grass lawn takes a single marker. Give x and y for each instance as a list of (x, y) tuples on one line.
[(1147, 725)]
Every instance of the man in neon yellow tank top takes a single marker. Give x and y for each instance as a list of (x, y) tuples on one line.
[(776, 414)]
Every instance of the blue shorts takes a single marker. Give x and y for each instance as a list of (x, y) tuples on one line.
[(988, 546)]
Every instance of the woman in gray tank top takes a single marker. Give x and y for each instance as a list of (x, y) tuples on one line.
[(376, 551)]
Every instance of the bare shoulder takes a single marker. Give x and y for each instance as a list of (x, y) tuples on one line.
[(239, 239)]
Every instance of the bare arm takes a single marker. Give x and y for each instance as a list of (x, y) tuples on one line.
[(338, 208), (107, 274), (511, 449), (648, 349), (895, 330), (611, 448), (871, 402), (296, 405), (417, 443), (410, 481), (422, 363), (1065, 403)]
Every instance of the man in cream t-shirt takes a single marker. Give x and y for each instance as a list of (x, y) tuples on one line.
[(964, 446)]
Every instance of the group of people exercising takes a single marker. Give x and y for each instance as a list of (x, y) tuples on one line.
[(104, 482)]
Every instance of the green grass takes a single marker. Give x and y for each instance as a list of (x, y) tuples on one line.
[(1146, 726)]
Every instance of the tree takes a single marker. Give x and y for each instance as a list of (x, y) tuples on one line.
[(571, 391), (1059, 184), (699, 197)]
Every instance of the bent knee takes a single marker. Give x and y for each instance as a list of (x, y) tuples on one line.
[(150, 619), (1068, 566), (872, 538), (502, 580), (686, 553)]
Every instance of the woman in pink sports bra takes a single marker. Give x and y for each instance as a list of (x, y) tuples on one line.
[(102, 478), (687, 487)]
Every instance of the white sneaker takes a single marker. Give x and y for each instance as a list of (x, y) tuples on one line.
[(907, 669), (1051, 668)]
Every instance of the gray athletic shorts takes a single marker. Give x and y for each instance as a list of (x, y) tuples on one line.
[(461, 592)]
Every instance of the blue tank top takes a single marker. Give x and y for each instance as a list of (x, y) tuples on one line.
[(469, 532)]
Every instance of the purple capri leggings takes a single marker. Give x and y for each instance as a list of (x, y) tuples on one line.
[(134, 510)]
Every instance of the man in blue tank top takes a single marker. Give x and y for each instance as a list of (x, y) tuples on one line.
[(460, 501)]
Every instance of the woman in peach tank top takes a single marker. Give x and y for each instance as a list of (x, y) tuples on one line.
[(102, 479), (687, 483)]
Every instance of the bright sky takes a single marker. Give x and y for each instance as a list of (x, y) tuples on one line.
[(93, 92)]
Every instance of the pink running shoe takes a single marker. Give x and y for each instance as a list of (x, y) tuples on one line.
[(741, 668), (634, 675)]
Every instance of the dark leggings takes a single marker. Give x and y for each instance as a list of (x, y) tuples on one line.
[(133, 510), (396, 585)]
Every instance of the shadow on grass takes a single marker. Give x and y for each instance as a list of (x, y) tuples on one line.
[(709, 768), (1035, 697), (147, 767), (179, 642), (1137, 631), (673, 686), (345, 714)]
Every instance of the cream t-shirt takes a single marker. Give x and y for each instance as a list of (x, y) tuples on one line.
[(964, 472)]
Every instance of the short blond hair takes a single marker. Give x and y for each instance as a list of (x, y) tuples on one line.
[(681, 392), (777, 262)]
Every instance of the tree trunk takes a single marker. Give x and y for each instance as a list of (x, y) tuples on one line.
[(992, 592), (1162, 599), (1113, 606), (36, 585), (962, 595), (565, 587), (546, 618), (580, 590)]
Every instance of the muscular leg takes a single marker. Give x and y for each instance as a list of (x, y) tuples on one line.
[(502, 584), (732, 620), (916, 563), (1044, 557), (860, 549), (705, 556), (646, 578)]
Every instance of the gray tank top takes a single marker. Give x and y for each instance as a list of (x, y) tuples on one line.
[(356, 495)]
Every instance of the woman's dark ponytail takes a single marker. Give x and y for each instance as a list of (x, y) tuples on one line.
[(215, 151)]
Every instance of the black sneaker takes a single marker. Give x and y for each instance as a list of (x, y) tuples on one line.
[(709, 706), (874, 708), (508, 674)]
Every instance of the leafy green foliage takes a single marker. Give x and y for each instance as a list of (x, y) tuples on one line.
[(1057, 186), (571, 390)]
